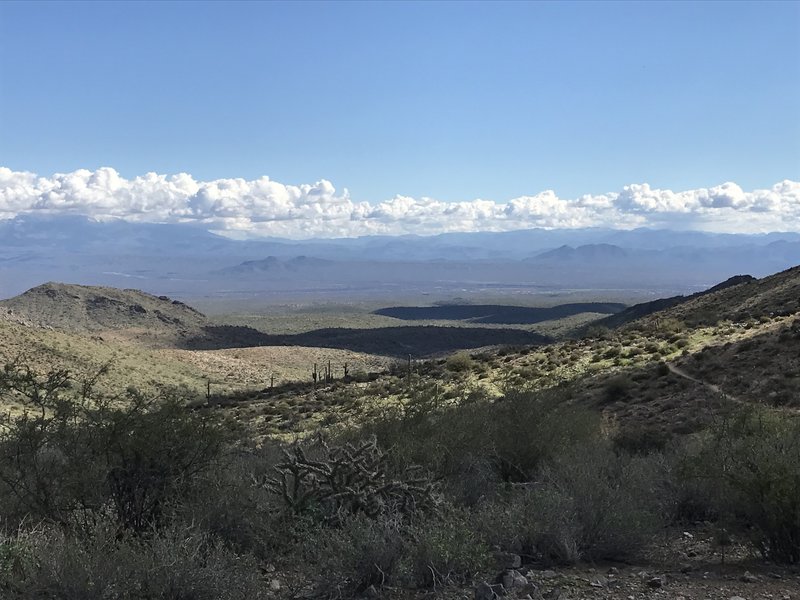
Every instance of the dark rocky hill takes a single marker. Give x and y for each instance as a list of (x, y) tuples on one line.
[(79, 308), (745, 298), (645, 309)]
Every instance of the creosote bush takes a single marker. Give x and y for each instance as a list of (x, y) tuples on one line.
[(589, 504), (359, 553), (748, 466), (173, 563), (78, 457), (514, 435), (612, 500), (446, 549), (459, 362)]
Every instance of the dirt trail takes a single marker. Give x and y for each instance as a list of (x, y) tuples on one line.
[(710, 386)]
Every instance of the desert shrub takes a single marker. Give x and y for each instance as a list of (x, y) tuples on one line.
[(515, 435), (752, 459), (78, 456), (652, 347), (597, 332), (552, 530), (536, 522), (694, 493), (155, 453), (640, 440), (227, 506), (590, 504), (633, 352), (359, 553), (459, 362), (670, 325), (175, 563), (48, 458), (423, 401), (502, 521), (609, 501), (445, 550), (748, 344), (473, 478), (617, 388)]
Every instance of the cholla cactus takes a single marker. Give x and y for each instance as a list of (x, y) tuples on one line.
[(347, 479)]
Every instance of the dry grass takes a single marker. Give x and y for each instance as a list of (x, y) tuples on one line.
[(252, 367)]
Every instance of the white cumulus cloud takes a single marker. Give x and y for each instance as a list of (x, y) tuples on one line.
[(262, 207)]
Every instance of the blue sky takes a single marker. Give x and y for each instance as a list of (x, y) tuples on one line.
[(453, 101)]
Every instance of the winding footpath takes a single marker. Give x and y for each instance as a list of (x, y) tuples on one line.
[(709, 386)]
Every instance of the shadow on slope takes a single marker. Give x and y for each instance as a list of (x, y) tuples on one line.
[(387, 341), (497, 314)]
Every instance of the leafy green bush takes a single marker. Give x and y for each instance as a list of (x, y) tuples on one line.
[(752, 460), (515, 435), (78, 456)]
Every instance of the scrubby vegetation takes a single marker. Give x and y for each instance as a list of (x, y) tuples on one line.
[(136, 496)]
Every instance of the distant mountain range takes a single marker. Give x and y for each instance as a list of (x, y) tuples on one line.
[(589, 252), (188, 262)]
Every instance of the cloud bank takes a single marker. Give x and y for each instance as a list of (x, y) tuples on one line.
[(262, 207)]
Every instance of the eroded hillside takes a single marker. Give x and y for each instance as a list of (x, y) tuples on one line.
[(82, 309)]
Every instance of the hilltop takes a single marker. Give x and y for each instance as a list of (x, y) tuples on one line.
[(83, 309), (748, 298), (641, 310), (738, 298), (156, 321)]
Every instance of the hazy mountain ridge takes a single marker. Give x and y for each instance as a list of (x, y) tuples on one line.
[(588, 252), (273, 264), (188, 262)]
